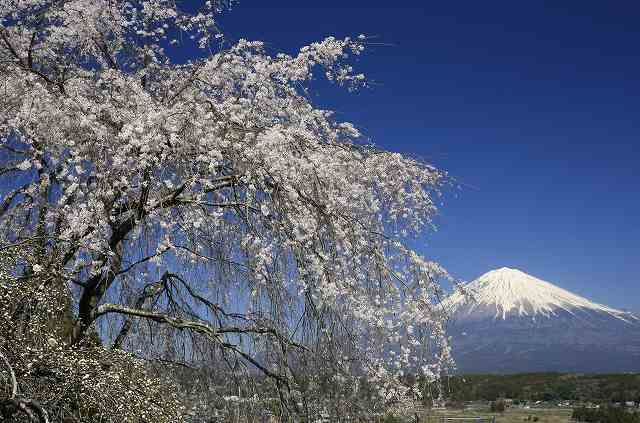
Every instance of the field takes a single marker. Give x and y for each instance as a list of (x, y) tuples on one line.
[(511, 415)]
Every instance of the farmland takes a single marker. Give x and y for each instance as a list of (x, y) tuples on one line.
[(511, 415)]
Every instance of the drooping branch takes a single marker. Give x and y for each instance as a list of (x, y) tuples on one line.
[(212, 333), (149, 292), (8, 200)]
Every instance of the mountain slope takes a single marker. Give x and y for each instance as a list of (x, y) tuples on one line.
[(508, 321)]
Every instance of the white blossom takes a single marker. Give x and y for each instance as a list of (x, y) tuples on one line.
[(212, 197)]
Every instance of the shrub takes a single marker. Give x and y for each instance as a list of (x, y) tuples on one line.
[(497, 406), (47, 376)]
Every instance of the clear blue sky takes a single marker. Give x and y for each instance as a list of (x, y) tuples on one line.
[(533, 106)]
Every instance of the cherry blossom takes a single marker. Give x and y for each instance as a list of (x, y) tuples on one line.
[(213, 198)]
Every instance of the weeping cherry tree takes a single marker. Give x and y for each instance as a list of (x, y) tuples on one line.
[(205, 210)]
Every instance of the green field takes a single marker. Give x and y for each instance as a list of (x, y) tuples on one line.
[(512, 415)]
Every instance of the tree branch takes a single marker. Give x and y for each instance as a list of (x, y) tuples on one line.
[(212, 333), (14, 382)]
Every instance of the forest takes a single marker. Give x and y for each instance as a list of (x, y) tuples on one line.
[(606, 415), (596, 388)]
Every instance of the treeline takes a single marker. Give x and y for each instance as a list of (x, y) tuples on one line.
[(545, 387), (605, 415)]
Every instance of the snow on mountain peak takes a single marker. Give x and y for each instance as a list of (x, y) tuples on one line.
[(513, 291)]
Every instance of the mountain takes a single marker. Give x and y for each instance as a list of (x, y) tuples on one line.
[(507, 321)]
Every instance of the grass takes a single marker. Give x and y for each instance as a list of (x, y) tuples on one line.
[(511, 415)]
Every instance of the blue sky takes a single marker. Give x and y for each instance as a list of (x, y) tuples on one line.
[(532, 106)]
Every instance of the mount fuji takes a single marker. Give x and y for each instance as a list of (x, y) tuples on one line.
[(507, 321)]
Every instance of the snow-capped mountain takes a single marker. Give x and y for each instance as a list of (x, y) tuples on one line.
[(509, 321)]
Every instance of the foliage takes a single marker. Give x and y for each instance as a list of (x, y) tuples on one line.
[(206, 212), (599, 388), (391, 418), (605, 415)]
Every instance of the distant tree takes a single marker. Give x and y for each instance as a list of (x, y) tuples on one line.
[(498, 406), (604, 415)]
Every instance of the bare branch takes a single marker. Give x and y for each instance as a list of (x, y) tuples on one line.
[(14, 382)]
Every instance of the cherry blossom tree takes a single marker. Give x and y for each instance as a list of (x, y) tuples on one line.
[(207, 207)]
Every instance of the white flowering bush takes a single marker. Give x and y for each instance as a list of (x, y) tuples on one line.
[(83, 383), (207, 209)]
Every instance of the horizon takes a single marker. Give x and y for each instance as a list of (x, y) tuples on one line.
[(530, 108)]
